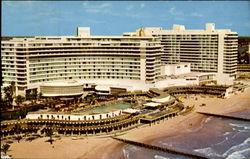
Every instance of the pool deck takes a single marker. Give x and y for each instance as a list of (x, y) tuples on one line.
[(98, 110)]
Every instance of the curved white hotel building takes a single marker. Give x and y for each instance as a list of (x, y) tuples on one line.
[(209, 50), (35, 62)]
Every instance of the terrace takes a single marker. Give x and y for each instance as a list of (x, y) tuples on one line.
[(111, 114)]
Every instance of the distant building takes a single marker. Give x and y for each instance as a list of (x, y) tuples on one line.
[(244, 50), (137, 60), (243, 67)]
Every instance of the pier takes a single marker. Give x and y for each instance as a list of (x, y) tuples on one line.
[(157, 148), (224, 116)]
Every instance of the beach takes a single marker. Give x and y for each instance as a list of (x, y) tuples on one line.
[(106, 147), (191, 121)]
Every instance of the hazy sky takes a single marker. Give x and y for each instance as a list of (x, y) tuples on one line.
[(29, 18)]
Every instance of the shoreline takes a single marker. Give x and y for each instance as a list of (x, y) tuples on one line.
[(191, 122), (106, 147)]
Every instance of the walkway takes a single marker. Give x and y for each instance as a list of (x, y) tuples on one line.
[(157, 148), (225, 116)]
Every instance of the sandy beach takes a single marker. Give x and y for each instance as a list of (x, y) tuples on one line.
[(192, 120), (106, 147)]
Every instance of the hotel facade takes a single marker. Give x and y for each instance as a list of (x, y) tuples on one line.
[(36, 62), (208, 50)]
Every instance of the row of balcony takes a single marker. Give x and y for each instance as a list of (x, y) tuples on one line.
[(85, 73), (84, 77)]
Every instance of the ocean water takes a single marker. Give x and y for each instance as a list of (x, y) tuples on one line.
[(216, 138)]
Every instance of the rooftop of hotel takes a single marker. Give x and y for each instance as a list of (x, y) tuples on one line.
[(210, 28), (63, 83), (193, 74)]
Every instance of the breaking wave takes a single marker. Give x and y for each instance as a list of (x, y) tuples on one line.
[(245, 126), (160, 157), (208, 152), (238, 150)]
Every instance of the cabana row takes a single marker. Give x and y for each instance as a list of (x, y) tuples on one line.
[(48, 121), (213, 90), (74, 129)]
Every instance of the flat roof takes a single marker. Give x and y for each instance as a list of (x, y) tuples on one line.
[(102, 88), (152, 104), (62, 83), (193, 74), (130, 110), (59, 95)]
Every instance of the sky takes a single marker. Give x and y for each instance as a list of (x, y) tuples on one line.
[(55, 18)]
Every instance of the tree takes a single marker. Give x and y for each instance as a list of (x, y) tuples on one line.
[(17, 128), (8, 95), (40, 95), (4, 104), (49, 133), (22, 112), (19, 99), (18, 138), (27, 96), (13, 89), (33, 96), (5, 148)]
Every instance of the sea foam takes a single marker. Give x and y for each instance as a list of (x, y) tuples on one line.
[(125, 153), (208, 119), (245, 126), (208, 152), (160, 157), (239, 154), (226, 133), (235, 150)]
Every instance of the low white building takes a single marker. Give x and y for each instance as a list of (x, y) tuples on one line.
[(61, 88), (175, 69), (152, 104), (160, 99), (130, 110), (102, 90), (181, 75), (75, 116)]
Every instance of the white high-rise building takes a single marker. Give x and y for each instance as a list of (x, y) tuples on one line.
[(31, 62), (209, 50)]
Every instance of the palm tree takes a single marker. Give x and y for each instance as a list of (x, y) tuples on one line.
[(8, 95), (18, 138), (19, 100), (27, 96), (49, 133), (13, 88), (39, 96), (13, 91), (17, 128), (34, 95), (4, 104), (22, 112), (5, 148)]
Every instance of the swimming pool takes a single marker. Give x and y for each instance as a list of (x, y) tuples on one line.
[(106, 108)]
